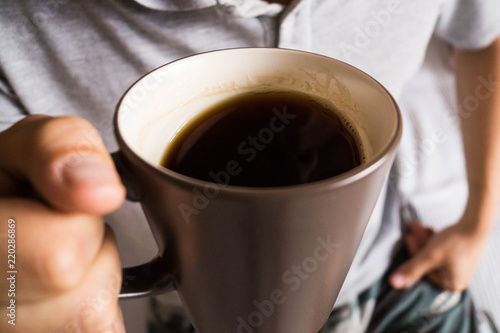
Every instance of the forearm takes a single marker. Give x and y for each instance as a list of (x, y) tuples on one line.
[(448, 258), (478, 94)]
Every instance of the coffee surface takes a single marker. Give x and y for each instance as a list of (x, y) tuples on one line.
[(266, 139)]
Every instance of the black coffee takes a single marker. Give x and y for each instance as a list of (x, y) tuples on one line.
[(264, 140)]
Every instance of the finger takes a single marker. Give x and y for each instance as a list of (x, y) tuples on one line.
[(412, 270), (412, 244), (65, 161), (420, 231), (52, 249), (119, 324), (90, 308), (418, 236)]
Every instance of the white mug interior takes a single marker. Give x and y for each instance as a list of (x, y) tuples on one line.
[(157, 106)]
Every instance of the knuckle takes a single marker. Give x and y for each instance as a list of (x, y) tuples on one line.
[(77, 128), (71, 122), (62, 264), (75, 240), (32, 120), (69, 136)]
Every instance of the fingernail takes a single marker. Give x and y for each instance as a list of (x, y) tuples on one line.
[(398, 280), (87, 170)]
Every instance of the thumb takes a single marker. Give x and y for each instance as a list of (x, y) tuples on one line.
[(65, 160), (412, 270)]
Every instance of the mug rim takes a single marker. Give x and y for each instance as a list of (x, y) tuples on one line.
[(337, 181)]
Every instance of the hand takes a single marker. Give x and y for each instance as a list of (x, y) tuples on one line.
[(447, 259), (68, 269)]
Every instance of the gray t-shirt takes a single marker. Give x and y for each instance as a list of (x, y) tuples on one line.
[(78, 57)]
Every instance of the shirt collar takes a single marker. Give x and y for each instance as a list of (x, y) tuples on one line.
[(244, 8), (176, 5)]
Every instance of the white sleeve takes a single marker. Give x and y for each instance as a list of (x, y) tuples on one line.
[(469, 24)]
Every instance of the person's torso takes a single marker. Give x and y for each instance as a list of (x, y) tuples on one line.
[(78, 57)]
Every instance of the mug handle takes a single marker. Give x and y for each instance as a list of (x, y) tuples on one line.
[(151, 278)]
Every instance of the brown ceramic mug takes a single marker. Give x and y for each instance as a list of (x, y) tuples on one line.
[(251, 259)]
